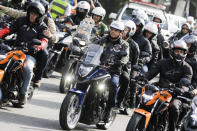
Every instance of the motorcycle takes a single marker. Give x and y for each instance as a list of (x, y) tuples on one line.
[(86, 101), (11, 74), (152, 111), (191, 119), (79, 46), (58, 52)]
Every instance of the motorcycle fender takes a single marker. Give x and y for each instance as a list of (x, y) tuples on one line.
[(144, 113), (79, 93), (1, 75)]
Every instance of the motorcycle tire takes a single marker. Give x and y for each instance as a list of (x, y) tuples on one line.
[(105, 126), (136, 122), (68, 69), (71, 101)]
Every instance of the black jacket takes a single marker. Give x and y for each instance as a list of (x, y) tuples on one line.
[(109, 56), (177, 36), (169, 72), (145, 48), (26, 31), (192, 61), (134, 52)]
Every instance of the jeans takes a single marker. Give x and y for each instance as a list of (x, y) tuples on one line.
[(41, 58), (28, 73), (113, 90)]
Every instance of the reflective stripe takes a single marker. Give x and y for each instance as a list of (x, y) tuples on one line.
[(58, 8)]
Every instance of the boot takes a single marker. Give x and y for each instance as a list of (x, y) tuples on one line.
[(22, 99)]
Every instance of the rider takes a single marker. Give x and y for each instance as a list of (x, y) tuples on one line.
[(150, 32), (173, 70), (83, 7), (98, 15), (113, 43), (191, 58), (51, 33), (185, 29), (28, 28), (129, 31), (159, 19), (143, 43)]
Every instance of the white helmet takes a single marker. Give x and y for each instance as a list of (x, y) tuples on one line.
[(159, 16), (100, 11), (151, 27), (134, 12), (131, 25), (117, 25), (142, 15), (84, 5), (190, 19)]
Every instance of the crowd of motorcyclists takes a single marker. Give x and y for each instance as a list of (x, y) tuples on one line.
[(140, 40)]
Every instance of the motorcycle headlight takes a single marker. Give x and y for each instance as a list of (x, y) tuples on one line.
[(69, 77), (82, 43), (146, 98), (84, 70), (101, 87)]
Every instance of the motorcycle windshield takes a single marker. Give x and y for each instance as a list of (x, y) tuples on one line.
[(93, 55)]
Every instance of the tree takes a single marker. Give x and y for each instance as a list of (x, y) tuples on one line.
[(112, 6)]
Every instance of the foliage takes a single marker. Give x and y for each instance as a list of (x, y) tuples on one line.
[(112, 6)]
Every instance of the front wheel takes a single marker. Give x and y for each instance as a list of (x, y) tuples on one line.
[(67, 77), (50, 66), (136, 123), (69, 112)]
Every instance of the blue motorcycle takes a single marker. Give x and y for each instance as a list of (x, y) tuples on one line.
[(86, 101)]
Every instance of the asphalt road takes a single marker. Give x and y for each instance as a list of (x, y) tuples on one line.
[(42, 112)]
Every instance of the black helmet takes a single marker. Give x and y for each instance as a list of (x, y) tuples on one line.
[(38, 8), (191, 41), (181, 45)]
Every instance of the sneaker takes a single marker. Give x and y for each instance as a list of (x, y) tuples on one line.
[(36, 84), (22, 99)]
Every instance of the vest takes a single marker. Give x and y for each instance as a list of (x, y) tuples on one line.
[(58, 8)]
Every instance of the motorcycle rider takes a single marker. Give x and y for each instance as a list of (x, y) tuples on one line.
[(83, 7), (113, 43), (51, 33), (100, 28), (150, 32), (185, 29), (159, 19), (28, 28), (191, 59), (143, 43), (173, 70), (128, 32), (60, 8)]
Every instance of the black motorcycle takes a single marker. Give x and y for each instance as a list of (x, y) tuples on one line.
[(58, 52), (86, 101)]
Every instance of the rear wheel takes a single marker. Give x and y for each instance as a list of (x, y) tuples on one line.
[(69, 112), (30, 92), (136, 123), (67, 77)]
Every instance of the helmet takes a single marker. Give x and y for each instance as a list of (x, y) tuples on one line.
[(139, 22), (159, 16), (181, 45), (38, 8), (134, 13), (191, 41), (190, 19), (131, 25), (151, 27), (45, 4), (142, 15), (100, 11), (84, 5), (188, 25), (117, 25)]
